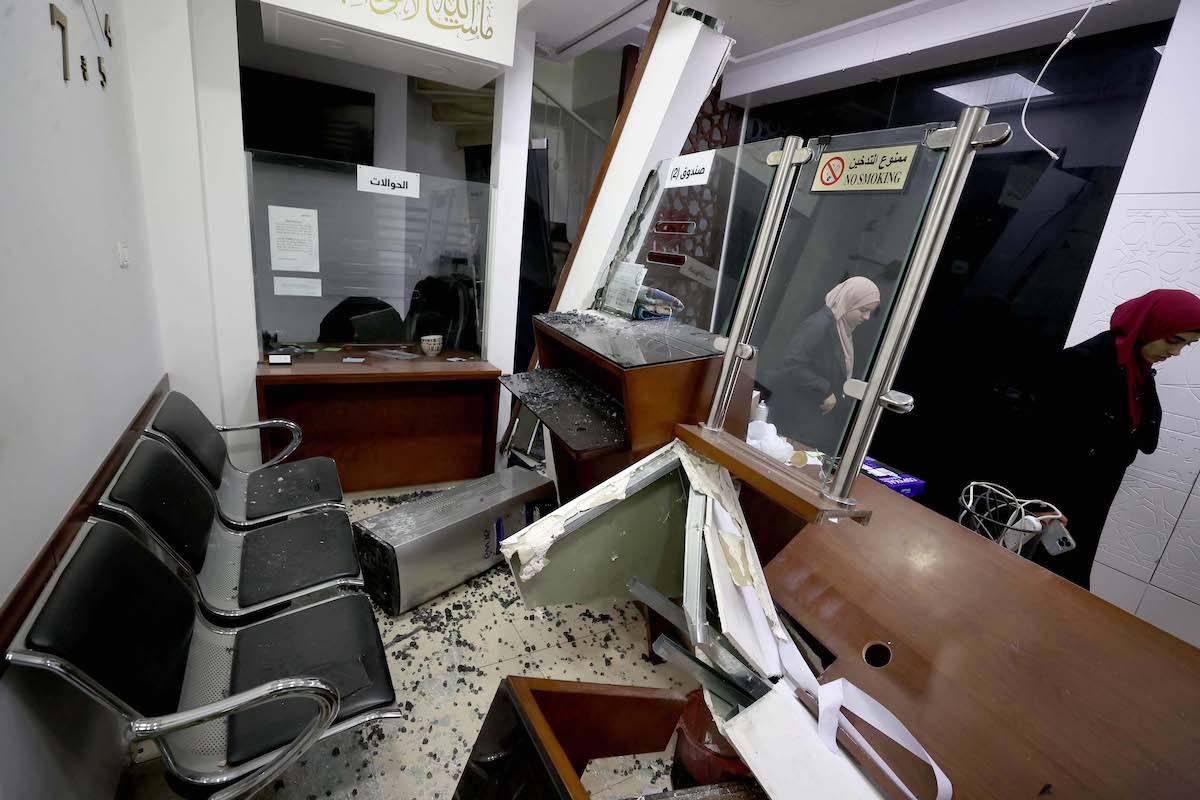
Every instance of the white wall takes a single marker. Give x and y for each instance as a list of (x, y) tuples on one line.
[(1149, 559), (81, 339), (158, 37), (81, 346), (215, 69), (510, 153)]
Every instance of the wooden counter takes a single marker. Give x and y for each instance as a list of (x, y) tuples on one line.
[(386, 422), (1020, 684)]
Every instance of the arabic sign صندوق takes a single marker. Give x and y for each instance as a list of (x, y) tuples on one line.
[(394, 182), (690, 170), (871, 169)]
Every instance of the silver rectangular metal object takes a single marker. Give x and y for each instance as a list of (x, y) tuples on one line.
[(416, 551)]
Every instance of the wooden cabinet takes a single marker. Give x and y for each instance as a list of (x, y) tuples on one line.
[(611, 390), (386, 423)]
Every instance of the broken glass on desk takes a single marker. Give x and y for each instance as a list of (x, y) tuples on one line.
[(631, 343)]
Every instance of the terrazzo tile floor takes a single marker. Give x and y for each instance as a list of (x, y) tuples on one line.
[(447, 658)]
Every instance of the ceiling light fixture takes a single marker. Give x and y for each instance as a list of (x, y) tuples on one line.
[(992, 91)]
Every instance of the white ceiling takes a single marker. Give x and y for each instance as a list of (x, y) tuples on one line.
[(575, 26)]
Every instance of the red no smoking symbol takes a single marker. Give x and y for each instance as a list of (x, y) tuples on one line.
[(832, 171)]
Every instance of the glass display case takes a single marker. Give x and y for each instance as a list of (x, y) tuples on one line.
[(336, 262)]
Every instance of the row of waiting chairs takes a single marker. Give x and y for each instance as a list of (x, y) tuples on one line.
[(216, 611)]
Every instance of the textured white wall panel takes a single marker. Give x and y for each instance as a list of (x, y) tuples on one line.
[(1140, 523), (1179, 568)]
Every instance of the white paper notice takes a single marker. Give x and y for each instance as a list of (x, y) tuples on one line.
[(622, 291), (298, 287), (295, 245), (690, 170), (395, 182)]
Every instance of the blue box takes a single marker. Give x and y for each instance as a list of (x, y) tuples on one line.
[(907, 485)]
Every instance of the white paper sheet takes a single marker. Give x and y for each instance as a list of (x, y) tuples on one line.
[(298, 287), (778, 740), (622, 291), (295, 239)]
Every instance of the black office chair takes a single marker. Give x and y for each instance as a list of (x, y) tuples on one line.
[(245, 499), (237, 574), (230, 710)]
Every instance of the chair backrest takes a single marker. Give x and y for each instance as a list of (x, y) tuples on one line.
[(122, 617), (182, 421), (161, 489)]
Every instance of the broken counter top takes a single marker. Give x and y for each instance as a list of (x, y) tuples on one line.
[(585, 418), (630, 343)]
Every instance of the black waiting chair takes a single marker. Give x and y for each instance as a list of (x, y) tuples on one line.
[(237, 574), (230, 710), (246, 498)]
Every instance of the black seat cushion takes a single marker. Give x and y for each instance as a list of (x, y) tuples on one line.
[(182, 421), (173, 501), (295, 554), (120, 615), (287, 487), (337, 641)]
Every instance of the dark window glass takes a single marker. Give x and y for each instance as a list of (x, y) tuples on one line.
[(1018, 252)]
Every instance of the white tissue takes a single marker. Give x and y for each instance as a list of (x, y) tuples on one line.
[(763, 436)]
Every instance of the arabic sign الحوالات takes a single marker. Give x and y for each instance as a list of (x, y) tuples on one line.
[(395, 182), (690, 170), (872, 169)]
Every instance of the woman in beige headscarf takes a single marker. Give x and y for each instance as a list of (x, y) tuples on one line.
[(819, 360)]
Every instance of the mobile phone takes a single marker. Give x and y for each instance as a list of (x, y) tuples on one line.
[(1055, 538)]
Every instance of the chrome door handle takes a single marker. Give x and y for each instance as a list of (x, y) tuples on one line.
[(898, 402)]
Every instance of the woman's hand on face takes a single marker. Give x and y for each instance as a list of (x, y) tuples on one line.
[(828, 403)]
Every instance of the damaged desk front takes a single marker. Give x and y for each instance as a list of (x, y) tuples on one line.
[(386, 422)]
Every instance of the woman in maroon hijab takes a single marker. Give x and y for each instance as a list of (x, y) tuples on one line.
[(1104, 408)]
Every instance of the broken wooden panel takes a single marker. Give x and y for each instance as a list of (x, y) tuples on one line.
[(631, 526)]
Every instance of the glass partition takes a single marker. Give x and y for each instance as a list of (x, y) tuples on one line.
[(692, 232), (334, 262), (842, 256)]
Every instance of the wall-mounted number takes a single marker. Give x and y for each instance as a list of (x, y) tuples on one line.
[(57, 17), (59, 20)]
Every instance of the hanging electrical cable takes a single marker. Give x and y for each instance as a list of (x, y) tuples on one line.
[(1036, 84)]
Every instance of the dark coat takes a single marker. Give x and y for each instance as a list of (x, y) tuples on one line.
[(813, 369), (1086, 441)]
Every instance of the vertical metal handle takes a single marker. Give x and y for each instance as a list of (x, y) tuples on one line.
[(926, 250), (759, 269)]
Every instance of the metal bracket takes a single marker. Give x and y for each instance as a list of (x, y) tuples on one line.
[(891, 400), (899, 402), (802, 156), (991, 135), (745, 351), (941, 138)]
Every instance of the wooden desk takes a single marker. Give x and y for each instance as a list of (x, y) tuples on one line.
[(654, 373), (386, 422), (1020, 684)]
